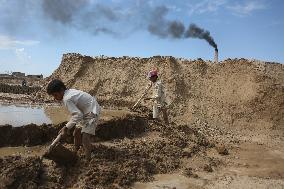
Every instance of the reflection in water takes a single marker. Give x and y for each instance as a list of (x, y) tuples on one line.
[(18, 115), (57, 114)]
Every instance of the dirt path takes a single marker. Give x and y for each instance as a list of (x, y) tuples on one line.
[(256, 161)]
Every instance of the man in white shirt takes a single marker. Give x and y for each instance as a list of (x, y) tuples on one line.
[(85, 112), (158, 97)]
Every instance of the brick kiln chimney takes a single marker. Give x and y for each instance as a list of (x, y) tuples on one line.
[(216, 56)]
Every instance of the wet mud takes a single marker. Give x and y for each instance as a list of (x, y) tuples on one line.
[(29, 135), (126, 150), (19, 172)]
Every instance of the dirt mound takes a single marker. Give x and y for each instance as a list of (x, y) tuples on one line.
[(129, 126), (18, 89), (130, 149), (237, 93), (29, 135), (18, 172), (121, 162), (30, 172), (61, 155)]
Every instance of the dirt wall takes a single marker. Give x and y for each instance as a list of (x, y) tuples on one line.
[(29, 135), (234, 92), (17, 89), (11, 80)]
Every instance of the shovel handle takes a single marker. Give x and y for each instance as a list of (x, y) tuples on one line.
[(142, 96), (56, 140), (133, 107)]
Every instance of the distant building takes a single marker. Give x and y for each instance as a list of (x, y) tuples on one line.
[(157, 56), (35, 76), (18, 74)]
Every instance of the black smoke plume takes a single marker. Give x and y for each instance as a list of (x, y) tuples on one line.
[(158, 24), (63, 11), (97, 17), (196, 32), (164, 28)]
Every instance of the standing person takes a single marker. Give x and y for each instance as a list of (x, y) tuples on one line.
[(85, 112), (24, 83), (158, 97)]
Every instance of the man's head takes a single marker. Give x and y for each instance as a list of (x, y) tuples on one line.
[(56, 89), (153, 75)]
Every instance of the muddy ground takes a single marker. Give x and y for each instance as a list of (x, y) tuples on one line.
[(126, 150)]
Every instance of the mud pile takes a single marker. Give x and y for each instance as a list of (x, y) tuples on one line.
[(17, 89), (129, 126), (126, 161), (235, 93), (29, 135), (127, 150), (18, 172), (30, 172)]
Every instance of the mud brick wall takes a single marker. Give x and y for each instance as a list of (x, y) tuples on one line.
[(17, 89), (18, 80)]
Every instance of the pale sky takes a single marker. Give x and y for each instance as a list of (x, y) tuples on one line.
[(35, 33)]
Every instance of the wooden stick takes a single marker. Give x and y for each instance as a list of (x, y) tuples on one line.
[(142, 96), (56, 140)]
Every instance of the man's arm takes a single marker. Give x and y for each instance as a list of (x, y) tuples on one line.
[(97, 108), (77, 115)]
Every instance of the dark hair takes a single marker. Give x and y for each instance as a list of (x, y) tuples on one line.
[(54, 86)]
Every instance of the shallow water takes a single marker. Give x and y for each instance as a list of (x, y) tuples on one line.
[(18, 115)]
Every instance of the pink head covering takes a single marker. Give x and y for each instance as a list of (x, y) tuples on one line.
[(152, 73)]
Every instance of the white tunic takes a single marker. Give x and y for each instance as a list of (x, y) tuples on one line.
[(84, 110), (158, 95)]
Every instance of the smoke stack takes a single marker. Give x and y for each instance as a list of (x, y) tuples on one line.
[(216, 56)]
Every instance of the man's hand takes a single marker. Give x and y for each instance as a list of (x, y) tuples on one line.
[(63, 131)]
